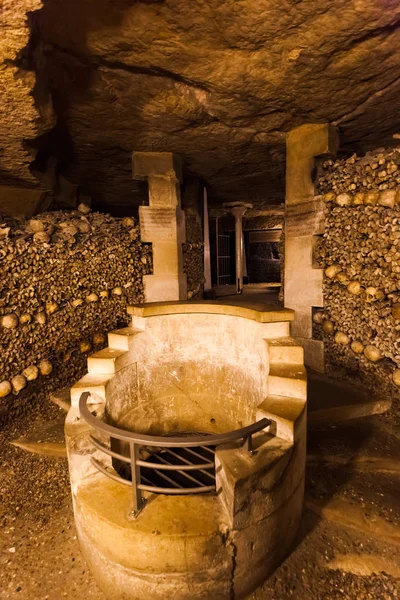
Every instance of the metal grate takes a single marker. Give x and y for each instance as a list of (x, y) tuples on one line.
[(180, 464), (201, 458), (223, 260)]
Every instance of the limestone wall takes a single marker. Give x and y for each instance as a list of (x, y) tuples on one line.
[(66, 279), (360, 254)]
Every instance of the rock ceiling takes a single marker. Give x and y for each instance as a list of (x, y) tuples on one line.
[(218, 81)]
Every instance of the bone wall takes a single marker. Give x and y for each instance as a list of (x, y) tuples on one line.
[(360, 254), (66, 280), (193, 256)]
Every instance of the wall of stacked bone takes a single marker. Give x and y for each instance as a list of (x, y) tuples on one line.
[(66, 279), (193, 256), (360, 255)]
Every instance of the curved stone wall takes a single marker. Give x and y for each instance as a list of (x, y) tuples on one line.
[(194, 372), (200, 362)]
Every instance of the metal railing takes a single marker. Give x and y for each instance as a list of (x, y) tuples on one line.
[(193, 465)]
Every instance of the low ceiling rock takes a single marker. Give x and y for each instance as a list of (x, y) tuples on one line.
[(219, 82)]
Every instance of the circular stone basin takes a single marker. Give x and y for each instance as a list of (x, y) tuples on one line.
[(198, 367)]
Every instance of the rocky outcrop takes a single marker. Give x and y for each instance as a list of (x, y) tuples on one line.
[(25, 112), (218, 82)]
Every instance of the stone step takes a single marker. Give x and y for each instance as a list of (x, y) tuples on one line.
[(95, 384), (121, 339), (289, 380), (61, 398), (276, 330), (107, 361), (285, 350), (286, 413)]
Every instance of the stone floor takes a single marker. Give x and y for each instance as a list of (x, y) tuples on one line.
[(348, 546), (260, 292)]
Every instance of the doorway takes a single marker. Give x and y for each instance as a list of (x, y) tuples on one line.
[(263, 256)]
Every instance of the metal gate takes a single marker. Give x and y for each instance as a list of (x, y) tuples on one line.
[(223, 260)]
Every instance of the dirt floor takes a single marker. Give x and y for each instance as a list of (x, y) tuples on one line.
[(348, 546)]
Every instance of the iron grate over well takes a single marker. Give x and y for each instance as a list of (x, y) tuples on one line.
[(200, 460), (201, 457), (182, 463)]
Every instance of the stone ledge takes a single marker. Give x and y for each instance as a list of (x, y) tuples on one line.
[(239, 474), (286, 413), (285, 350), (257, 311), (288, 380), (121, 339), (145, 164), (20, 201), (107, 361), (95, 384)]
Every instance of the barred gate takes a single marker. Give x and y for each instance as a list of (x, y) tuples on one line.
[(223, 260)]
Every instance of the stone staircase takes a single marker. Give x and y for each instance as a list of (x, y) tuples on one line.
[(103, 365), (285, 403)]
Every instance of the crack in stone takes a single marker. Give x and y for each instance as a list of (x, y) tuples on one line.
[(369, 100), (154, 71), (115, 65), (367, 36), (230, 542)]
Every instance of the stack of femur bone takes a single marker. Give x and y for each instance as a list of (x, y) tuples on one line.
[(360, 254), (66, 279), (193, 253)]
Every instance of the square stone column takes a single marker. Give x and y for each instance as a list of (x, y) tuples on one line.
[(162, 224), (304, 219)]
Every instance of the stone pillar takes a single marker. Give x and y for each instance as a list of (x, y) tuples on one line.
[(238, 213), (207, 255), (304, 219), (238, 209), (163, 224)]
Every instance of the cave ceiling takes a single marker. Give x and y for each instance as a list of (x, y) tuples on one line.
[(218, 81)]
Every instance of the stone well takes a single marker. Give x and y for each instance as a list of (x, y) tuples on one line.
[(192, 367)]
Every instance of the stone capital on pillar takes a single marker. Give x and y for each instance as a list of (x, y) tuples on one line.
[(163, 224), (303, 144), (238, 212), (237, 209), (146, 164), (163, 171)]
